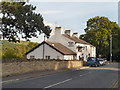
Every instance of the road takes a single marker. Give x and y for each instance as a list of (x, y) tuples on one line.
[(95, 77)]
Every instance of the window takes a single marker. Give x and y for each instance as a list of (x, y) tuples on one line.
[(74, 57), (79, 49), (86, 48), (32, 57), (89, 54), (47, 57), (92, 58), (70, 44), (80, 58), (58, 57)]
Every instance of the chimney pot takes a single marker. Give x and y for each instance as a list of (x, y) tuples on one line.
[(67, 32), (75, 35), (57, 27)]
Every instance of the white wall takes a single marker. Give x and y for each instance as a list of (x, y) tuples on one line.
[(94, 51), (64, 41), (59, 38), (83, 51), (68, 57), (48, 51), (90, 50), (37, 53)]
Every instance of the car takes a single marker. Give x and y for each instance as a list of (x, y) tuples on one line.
[(101, 61), (105, 60), (93, 61)]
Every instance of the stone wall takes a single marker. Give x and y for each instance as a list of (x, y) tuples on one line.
[(13, 68)]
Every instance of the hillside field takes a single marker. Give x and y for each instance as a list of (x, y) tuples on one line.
[(11, 50)]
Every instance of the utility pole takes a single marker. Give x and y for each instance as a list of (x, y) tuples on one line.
[(43, 47), (111, 48)]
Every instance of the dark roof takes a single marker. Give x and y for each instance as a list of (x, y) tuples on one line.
[(57, 46), (62, 48), (77, 40)]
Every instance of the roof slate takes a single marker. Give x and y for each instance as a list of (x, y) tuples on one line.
[(77, 40), (62, 48), (57, 46)]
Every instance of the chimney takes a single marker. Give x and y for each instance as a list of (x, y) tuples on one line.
[(75, 35), (67, 32), (58, 30)]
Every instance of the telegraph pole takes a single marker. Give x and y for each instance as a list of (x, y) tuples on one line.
[(111, 48), (43, 47)]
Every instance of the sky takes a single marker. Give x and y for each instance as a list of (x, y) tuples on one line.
[(73, 15)]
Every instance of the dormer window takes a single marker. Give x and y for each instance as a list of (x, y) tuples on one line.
[(32, 57), (70, 44)]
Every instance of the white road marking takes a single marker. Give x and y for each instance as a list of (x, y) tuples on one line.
[(106, 68), (8, 81), (85, 74), (64, 81), (58, 83)]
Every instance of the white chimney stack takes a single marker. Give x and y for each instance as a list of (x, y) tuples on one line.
[(75, 35), (58, 31), (68, 32)]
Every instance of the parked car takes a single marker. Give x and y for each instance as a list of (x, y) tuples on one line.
[(105, 59), (101, 61), (93, 61)]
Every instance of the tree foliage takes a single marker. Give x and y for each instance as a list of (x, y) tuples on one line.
[(20, 20), (12, 50), (98, 33)]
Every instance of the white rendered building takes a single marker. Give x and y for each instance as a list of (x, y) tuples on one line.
[(63, 46)]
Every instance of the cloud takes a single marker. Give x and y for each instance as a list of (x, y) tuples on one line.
[(52, 27), (51, 12), (49, 24)]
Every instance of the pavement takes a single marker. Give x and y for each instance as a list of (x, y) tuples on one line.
[(106, 76)]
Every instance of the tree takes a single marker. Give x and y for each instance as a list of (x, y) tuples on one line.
[(20, 20), (16, 50), (98, 33), (116, 46)]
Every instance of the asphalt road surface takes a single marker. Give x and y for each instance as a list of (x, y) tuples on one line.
[(95, 77)]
